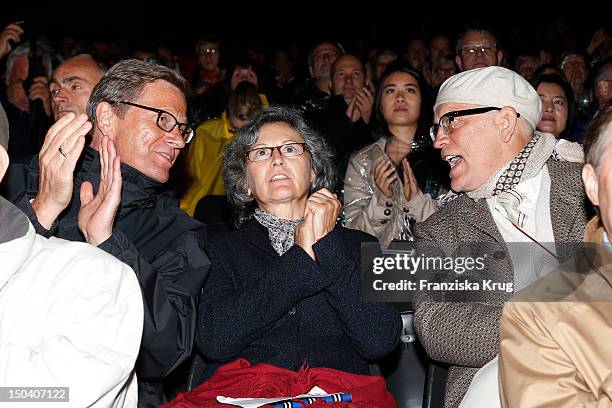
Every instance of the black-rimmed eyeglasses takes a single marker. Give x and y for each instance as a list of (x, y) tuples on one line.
[(446, 121), (286, 150), (167, 121)]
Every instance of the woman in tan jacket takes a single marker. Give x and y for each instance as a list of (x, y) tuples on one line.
[(382, 194)]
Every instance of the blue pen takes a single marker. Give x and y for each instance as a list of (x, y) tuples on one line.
[(339, 397), (288, 404)]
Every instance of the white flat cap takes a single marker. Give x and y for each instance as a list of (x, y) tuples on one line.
[(493, 86)]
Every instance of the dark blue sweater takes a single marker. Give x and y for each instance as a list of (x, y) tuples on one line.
[(289, 310)]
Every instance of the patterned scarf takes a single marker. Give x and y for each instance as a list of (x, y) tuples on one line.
[(281, 231), (525, 165)]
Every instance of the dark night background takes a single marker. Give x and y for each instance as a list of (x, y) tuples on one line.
[(265, 24)]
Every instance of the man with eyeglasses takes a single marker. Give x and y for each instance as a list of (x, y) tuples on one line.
[(313, 95), (117, 201), (477, 47), (208, 73), (208, 90), (511, 184)]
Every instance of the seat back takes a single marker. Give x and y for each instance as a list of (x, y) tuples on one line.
[(405, 369), (434, 385), (214, 211)]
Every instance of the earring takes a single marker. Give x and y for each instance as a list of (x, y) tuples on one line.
[(249, 192)]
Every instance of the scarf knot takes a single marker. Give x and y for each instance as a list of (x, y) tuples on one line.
[(524, 166), (280, 230)]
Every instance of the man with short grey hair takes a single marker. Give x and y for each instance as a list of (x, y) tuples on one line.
[(512, 185), (313, 95), (477, 47), (117, 201), (72, 83)]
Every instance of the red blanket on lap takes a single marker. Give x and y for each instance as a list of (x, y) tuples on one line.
[(239, 379)]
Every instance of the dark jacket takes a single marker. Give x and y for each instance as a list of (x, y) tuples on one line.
[(27, 130), (164, 247), (344, 136), (289, 310), (307, 98)]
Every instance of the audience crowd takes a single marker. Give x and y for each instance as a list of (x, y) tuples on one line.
[(178, 227)]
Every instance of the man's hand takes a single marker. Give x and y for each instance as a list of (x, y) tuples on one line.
[(98, 212), (598, 38), (384, 176), (40, 90), (320, 215), (11, 32), (364, 101), (352, 112), (55, 181)]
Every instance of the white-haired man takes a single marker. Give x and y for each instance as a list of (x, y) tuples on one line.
[(514, 186)]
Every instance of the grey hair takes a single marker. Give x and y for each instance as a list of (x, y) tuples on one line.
[(234, 161), (44, 51), (125, 81), (338, 46)]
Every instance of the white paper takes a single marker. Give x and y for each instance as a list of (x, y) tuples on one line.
[(258, 402)]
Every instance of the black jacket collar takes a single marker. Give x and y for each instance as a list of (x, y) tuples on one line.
[(149, 214), (256, 235), (136, 186)]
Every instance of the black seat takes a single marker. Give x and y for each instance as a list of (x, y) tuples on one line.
[(434, 385), (405, 369), (412, 378), (214, 211)]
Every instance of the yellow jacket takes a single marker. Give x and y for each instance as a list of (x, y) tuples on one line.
[(205, 160)]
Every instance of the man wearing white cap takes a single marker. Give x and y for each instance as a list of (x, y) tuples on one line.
[(514, 184)]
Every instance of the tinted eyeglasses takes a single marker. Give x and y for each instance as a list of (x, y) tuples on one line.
[(483, 48), (167, 121), (286, 150), (209, 51), (447, 120)]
